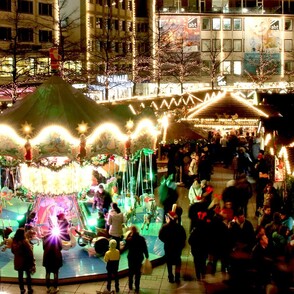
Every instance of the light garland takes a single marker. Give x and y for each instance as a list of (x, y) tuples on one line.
[(70, 179), (213, 99)]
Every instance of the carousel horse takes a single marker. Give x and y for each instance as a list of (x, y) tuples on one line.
[(5, 195), (130, 215), (66, 245), (150, 209), (6, 241)]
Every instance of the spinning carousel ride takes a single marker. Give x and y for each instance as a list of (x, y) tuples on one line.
[(56, 146)]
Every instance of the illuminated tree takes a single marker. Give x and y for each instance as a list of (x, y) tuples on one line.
[(110, 52), (261, 66), (182, 64), (216, 52)]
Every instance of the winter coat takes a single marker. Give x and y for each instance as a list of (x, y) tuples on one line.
[(173, 236), (115, 221), (136, 244), (103, 200), (198, 238), (23, 255), (52, 256)]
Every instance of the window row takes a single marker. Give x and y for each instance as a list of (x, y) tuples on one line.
[(235, 45), (25, 35), (232, 67), (142, 27), (109, 46), (110, 24), (26, 6), (125, 4), (33, 66), (235, 24), (235, 67)]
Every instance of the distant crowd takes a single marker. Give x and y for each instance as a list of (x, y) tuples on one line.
[(258, 258)]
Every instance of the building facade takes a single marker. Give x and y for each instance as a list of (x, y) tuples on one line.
[(26, 35), (243, 40), (102, 41)]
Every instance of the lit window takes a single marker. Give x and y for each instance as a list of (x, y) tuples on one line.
[(227, 24), (288, 45), (227, 67), (216, 24), (237, 24), (237, 68)]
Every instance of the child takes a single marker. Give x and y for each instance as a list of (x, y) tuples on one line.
[(101, 222), (235, 165), (111, 258)]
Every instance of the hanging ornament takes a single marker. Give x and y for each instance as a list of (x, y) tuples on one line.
[(28, 152), (127, 149), (83, 152)]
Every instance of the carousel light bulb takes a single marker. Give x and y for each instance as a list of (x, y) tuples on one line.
[(26, 128), (55, 231), (82, 127), (130, 124)]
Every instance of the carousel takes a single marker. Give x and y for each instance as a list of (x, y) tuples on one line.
[(56, 147)]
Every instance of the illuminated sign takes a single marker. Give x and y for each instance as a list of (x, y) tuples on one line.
[(112, 79), (221, 81)]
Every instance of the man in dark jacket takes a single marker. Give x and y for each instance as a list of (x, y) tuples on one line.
[(173, 235), (136, 244), (102, 200)]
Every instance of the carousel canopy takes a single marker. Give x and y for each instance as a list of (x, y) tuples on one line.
[(55, 102), (59, 121)]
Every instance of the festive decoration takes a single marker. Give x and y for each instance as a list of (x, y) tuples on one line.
[(28, 152)]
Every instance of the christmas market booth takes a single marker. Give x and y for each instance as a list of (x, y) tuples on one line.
[(224, 112)]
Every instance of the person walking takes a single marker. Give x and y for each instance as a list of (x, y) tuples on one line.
[(198, 241), (115, 222), (112, 257), (195, 192), (193, 167), (136, 244), (173, 235), (52, 260), (168, 194), (244, 193), (24, 260)]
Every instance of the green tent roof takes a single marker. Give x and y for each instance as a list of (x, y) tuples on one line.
[(57, 102)]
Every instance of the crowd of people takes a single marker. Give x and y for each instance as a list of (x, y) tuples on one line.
[(256, 258)]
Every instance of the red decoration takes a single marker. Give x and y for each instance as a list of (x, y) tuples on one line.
[(127, 148), (83, 151), (28, 154)]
